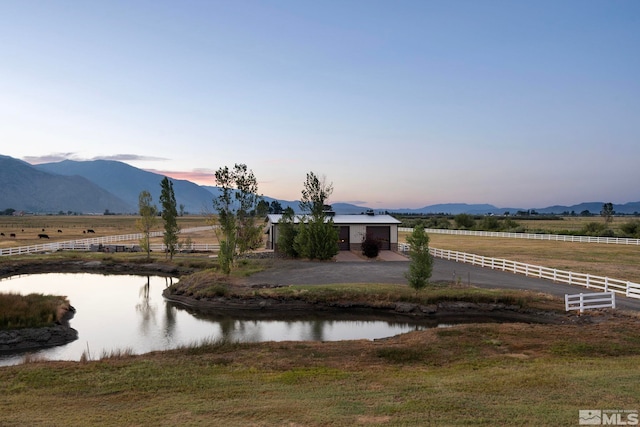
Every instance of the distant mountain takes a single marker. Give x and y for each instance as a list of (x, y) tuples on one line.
[(26, 188), (485, 209), (94, 186), (127, 182)]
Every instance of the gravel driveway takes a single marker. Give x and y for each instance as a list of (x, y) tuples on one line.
[(351, 269)]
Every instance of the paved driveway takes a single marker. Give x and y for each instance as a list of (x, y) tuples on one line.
[(350, 268)]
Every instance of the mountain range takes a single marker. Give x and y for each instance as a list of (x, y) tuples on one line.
[(100, 185)]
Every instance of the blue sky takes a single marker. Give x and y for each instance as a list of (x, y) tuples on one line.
[(398, 103)]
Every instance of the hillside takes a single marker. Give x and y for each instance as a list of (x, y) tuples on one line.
[(24, 187), (127, 182)]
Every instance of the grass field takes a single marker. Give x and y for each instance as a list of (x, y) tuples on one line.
[(615, 261), (27, 228), (474, 374), (489, 374), (570, 223)]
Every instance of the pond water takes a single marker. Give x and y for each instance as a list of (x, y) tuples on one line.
[(128, 313)]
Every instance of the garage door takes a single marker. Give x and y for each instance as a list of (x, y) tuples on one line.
[(343, 240), (381, 234)]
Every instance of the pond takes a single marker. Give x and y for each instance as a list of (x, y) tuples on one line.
[(128, 313)]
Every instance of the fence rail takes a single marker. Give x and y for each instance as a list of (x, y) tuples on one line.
[(589, 281), (530, 236)]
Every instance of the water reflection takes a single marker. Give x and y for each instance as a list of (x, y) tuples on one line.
[(117, 312)]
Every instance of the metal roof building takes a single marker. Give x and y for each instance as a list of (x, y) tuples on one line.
[(352, 230)]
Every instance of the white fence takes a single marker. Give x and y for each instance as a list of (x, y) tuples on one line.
[(590, 300), (193, 247), (85, 244), (529, 236), (589, 281)]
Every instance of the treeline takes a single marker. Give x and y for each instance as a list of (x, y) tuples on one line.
[(629, 229)]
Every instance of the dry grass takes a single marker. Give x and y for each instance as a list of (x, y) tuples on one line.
[(30, 311), (489, 374)]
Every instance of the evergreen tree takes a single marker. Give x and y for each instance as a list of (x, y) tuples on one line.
[(287, 231), (421, 263)]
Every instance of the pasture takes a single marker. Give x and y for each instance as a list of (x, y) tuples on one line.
[(62, 227), (568, 223), (474, 374), (615, 261)]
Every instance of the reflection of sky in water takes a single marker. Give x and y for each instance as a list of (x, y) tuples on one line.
[(128, 312)]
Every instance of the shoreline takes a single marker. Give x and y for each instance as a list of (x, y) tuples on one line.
[(256, 307)]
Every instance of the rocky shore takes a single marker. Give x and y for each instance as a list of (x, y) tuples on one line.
[(18, 340), (25, 339)]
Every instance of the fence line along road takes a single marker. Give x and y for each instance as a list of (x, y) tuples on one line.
[(530, 236), (85, 244), (590, 281)]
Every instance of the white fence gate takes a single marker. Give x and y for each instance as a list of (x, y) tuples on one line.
[(590, 300)]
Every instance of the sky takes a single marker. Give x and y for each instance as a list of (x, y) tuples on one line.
[(398, 104)]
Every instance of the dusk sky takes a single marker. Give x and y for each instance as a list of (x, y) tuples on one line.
[(400, 104)]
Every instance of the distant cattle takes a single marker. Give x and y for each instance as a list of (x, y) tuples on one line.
[(43, 236), (43, 229), (59, 231), (12, 235), (2, 234), (90, 231)]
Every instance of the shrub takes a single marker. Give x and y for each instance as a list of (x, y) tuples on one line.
[(370, 247), (596, 229), (631, 228), (464, 221)]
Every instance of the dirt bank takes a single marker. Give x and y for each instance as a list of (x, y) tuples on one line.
[(9, 269), (257, 307)]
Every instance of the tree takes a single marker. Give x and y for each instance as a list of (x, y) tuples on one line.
[(315, 194), (287, 232), (169, 216), (317, 238), (607, 212), (237, 213), (464, 221), (275, 207), (149, 217), (421, 263)]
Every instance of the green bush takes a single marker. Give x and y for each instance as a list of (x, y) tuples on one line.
[(464, 221), (631, 228)]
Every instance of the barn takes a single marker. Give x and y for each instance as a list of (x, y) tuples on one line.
[(352, 230)]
